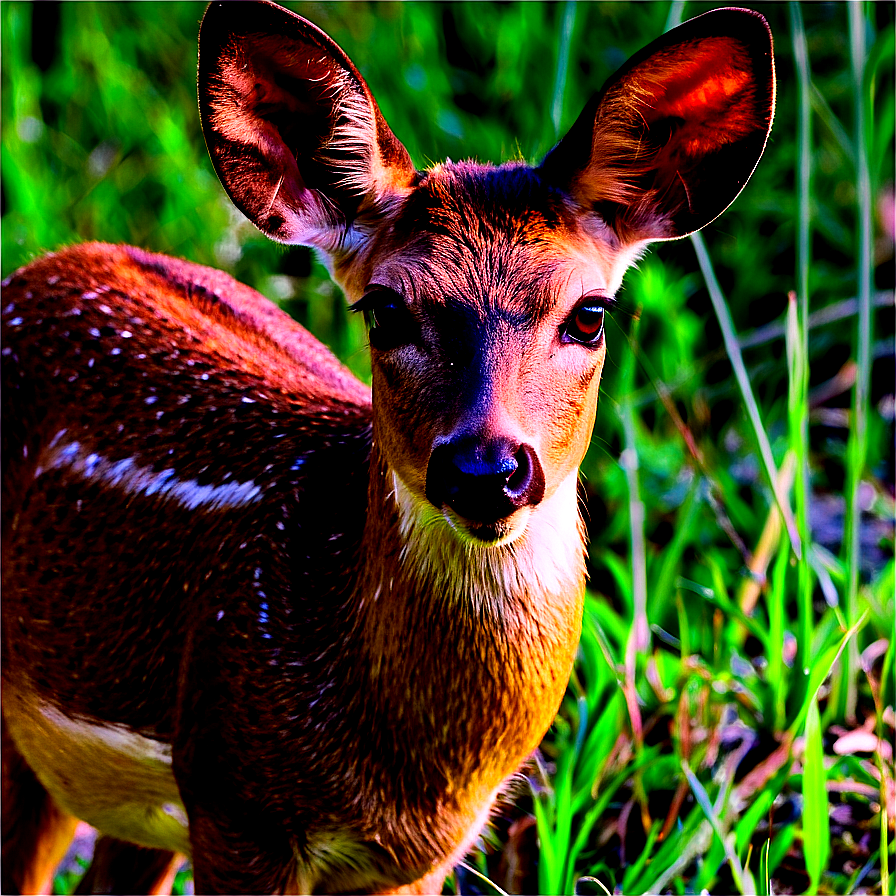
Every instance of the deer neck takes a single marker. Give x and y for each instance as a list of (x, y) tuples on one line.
[(438, 615)]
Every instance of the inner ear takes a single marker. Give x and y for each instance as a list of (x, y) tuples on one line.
[(293, 131), (294, 96), (687, 133), (675, 134), (707, 87)]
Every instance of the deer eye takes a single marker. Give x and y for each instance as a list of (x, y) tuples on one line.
[(585, 325), (389, 322)]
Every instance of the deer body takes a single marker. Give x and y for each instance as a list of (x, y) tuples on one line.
[(252, 614), (284, 532)]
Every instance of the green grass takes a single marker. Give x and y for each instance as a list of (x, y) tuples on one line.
[(700, 743)]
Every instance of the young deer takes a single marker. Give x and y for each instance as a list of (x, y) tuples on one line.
[(255, 613)]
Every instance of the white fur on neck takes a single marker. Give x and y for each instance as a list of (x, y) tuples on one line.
[(546, 559)]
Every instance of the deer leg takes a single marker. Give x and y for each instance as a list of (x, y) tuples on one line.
[(121, 868), (36, 833)]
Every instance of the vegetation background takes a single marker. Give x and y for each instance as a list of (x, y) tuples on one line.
[(729, 726)]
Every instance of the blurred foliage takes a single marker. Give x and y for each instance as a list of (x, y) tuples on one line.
[(101, 141)]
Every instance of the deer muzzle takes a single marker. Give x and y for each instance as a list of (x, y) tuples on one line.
[(484, 481)]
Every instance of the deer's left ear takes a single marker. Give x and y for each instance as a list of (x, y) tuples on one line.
[(675, 134)]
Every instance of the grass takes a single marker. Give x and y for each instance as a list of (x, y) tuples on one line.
[(727, 724)]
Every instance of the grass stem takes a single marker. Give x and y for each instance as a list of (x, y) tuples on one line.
[(567, 24), (857, 444), (798, 339), (726, 324)]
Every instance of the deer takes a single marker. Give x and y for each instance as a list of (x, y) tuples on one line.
[(303, 631)]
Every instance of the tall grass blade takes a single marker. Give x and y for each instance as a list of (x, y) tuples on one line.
[(599, 806), (797, 338), (640, 632), (804, 160), (820, 670), (567, 24), (765, 885), (634, 870), (703, 800), (493, 887), (743, 381), (857, 445), (676, 14), (816, 828), (884, 851), (781, 847), (661, 590), (594, 882), (777, 615), (548, 872), (823, 110)]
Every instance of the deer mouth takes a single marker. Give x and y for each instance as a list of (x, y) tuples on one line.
[(490, 534)]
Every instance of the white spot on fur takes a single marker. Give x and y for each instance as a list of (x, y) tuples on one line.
[(134, 479)]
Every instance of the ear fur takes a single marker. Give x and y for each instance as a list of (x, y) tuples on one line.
[(674, 135), (292, 129)]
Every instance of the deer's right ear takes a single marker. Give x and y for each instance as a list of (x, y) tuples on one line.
[(292, 129)]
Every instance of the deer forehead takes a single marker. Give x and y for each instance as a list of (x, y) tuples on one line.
[(492, 239)]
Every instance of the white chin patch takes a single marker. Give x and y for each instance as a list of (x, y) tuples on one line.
[(495, 534), (419, 515), (539, 550)]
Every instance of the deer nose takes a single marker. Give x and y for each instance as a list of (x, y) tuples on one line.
[(484, 480)]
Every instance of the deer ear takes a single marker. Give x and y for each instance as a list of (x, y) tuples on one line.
[(675, 134), (292, 129)]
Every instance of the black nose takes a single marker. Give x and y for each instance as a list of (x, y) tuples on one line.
[(484, 481)]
